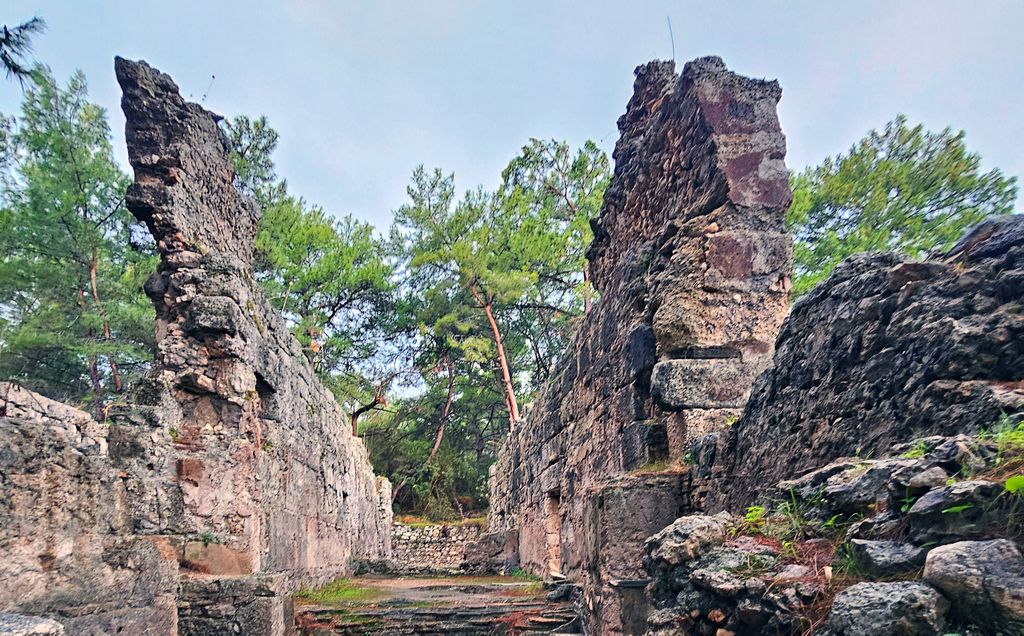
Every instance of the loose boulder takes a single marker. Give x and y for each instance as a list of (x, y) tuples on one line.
[(984, 580), (887, 609)]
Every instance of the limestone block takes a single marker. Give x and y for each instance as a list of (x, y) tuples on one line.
[(699, 319), (214, 558), (983, 580), (21, 625), (644, 442), (736, 259), (888, 608), (703, 383), (688, 425)]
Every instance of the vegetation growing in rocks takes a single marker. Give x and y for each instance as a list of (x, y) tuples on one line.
[(339, 591), (856, 521)]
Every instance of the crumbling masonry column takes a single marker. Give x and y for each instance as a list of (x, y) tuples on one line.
[(235, 450), (693, 262)]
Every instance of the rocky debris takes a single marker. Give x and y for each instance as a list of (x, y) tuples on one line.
[(688, 537), (984, 580), (774, 570), (886, 558), (959, 510), (704, 579), (692, 261), (887, 609), (917, 496), (882, 352), (431, 548), (845, 487), (20, 625)]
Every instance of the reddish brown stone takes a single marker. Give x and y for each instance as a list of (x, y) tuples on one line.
[(214, 558), (190, 469)]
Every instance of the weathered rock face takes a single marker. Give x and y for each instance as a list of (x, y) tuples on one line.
[(66, 543), (237, 438), (884, 351), (984, 579), (692, 263), (492, 553), (887, 608), (20, 625)]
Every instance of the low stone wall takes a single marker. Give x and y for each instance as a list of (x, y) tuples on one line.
[(432, 548)]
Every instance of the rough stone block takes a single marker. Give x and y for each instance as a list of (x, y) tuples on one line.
[(643, 442), (214, 558), (631, 509), (213, 315), (703, 383), (736, 260), (686, 426), (719, 321)]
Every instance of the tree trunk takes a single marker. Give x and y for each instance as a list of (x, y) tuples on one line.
[(586, 287), (94, 370), (506, 376), (444, 412), (377, 399), (114, 373)]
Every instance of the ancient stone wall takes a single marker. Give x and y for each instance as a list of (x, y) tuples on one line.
[(231, 476), (235, 437), (886, 350), (433, 548), (692, 262)]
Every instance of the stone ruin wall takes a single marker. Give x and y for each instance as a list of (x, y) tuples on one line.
[(692, 262), (240, 438), (883, 377), (887, 350), (432, 548), (231, 475), (67, 548)]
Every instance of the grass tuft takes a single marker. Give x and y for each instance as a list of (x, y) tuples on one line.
[(340, 591)]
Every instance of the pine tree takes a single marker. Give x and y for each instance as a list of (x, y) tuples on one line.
[(904, 189), (75, 324), (15, 47)]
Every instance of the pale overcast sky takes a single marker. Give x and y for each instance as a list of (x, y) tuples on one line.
[(362, 92)]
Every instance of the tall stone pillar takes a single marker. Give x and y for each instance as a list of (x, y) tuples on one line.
[(693, 262)]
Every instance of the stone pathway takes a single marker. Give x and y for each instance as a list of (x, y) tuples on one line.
[(449, 605)]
